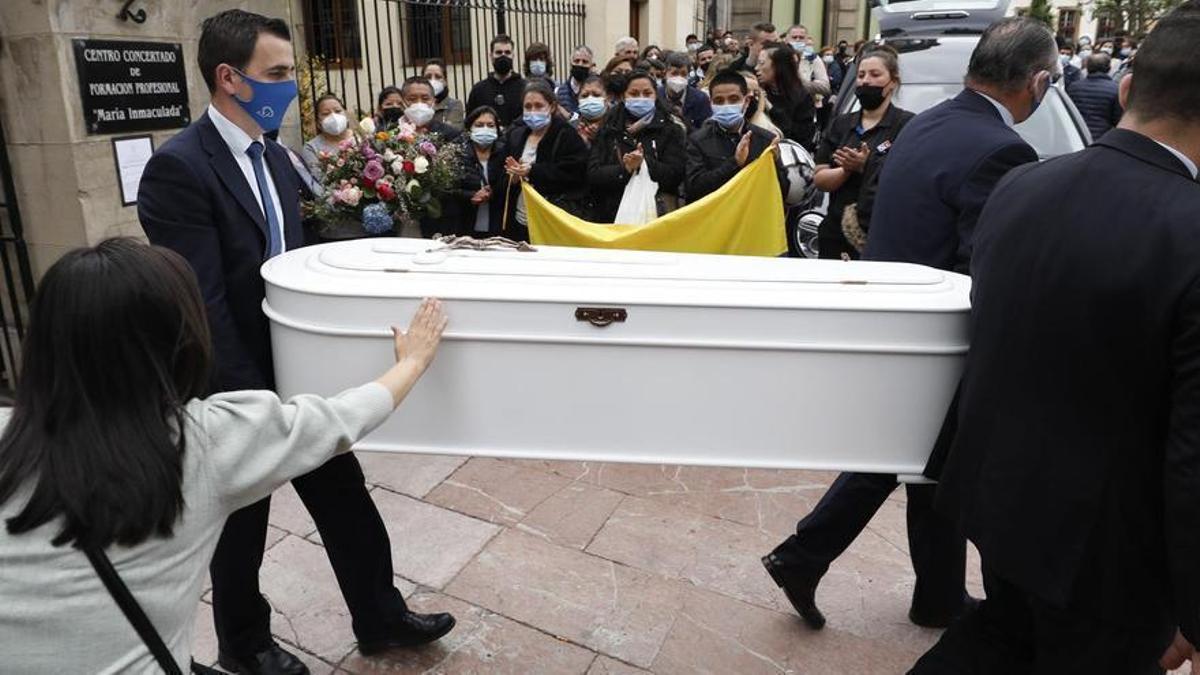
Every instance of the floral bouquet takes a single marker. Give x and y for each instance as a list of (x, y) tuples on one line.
[(382, 178)]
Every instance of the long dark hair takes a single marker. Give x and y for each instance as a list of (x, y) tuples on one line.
[(785, 64), (117, 344)]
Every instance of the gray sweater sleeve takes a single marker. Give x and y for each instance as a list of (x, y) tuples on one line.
[(253, 442)]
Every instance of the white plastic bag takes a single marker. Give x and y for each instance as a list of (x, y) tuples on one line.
[(638, 204)]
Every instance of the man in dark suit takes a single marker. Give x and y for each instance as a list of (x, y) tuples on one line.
[(931, 190), (1096, 96), (1076, 464), (227, 199)]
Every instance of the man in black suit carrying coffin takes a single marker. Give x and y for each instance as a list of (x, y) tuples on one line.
[(938, 175), (227, 199), (1076, 464)]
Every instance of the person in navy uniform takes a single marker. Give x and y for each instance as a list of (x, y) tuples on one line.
[(932, 187), (1075, 468), (227, 199)]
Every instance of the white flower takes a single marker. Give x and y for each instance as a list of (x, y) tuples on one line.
[(398, 167), (389, 156), (367, 126), (421, 165), (408, 188), (351, 196)]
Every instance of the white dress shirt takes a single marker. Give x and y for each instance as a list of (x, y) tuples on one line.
[(238, 141), (1005, 115), (1187, 161)]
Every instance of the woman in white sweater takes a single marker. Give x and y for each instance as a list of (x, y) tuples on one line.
[(109, 447)]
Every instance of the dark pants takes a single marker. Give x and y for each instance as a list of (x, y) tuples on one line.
[(355, 540), (1013, 633), (939, 553)]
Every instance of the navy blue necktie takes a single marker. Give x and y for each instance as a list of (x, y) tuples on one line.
[(274, 245)]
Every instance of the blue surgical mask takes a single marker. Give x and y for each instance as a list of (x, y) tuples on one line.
[(536, 120), (639, 107), (592, 107), (798, 47), (728, 116), (483, 136), (537, 68), (268, 101)]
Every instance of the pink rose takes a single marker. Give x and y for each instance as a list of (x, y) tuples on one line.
[(373, 171), (428, 148)]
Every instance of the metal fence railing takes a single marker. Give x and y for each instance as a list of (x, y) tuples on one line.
[(17, 279), (355, 48)]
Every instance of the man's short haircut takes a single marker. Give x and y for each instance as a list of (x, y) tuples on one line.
[(729, 77), (1166, 74), (800, 26), (706, 47), (586, 50), (230, 37), (500, 39), (678, 60), (1012, 51), (690, 37), (1098, 62), (763, 27), (415, 79)]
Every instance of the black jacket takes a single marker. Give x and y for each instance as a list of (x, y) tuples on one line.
[(451, 216), (557, 172), (1098, 102), (504, 96), (710, 162), (936, 179), (1077, 455), (471, 181), (662, 142), (194, 200), (796, 116)]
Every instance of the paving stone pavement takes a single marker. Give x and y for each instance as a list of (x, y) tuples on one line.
[(595, 569)]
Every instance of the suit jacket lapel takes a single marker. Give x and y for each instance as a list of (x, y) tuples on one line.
[(286, 184), (230, 174)]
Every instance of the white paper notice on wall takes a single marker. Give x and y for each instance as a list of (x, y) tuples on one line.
[(131, 154)]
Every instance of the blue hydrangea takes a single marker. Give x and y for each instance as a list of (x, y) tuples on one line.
[(376, 218)]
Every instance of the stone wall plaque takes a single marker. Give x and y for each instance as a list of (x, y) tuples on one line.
[(129, 86)]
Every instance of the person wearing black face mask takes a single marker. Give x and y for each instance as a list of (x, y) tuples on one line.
[(501, 89), (583, 60), (389, 108), (852, 152)]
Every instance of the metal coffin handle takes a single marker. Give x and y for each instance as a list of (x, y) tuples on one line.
[(601, 316)]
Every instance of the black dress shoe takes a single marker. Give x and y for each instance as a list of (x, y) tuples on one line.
[(412, 630), (800, 590), (942, 620), (270, 661)]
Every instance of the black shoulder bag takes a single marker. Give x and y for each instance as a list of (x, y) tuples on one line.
[(133, 612)]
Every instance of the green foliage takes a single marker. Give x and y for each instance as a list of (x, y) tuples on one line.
[(1135, 17), (1040, 10)]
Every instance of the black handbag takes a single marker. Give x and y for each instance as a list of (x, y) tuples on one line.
[(133, 612)]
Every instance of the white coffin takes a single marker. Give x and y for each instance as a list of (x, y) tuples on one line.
[(722, 360)]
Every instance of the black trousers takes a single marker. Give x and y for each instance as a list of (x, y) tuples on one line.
[(1014, 633), (355, 540), (939, 553)]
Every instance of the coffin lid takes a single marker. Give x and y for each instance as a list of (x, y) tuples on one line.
[(407, 268)]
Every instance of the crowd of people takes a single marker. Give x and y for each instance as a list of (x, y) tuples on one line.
[(145, 441), (608, 117)]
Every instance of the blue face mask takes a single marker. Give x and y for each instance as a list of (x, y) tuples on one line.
[(268, 101), (536, 120), (537, 68), (592, 107), (728, 116), (639, 107), (483, 136)]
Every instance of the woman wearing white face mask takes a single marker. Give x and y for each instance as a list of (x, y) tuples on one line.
[(333, 128), (446, 109), (538, 65), (481, 204)]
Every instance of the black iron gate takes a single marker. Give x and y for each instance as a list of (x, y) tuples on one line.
[(18, 278), (358, 47)]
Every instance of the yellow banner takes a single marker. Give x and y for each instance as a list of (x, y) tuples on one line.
[(743, 217)]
